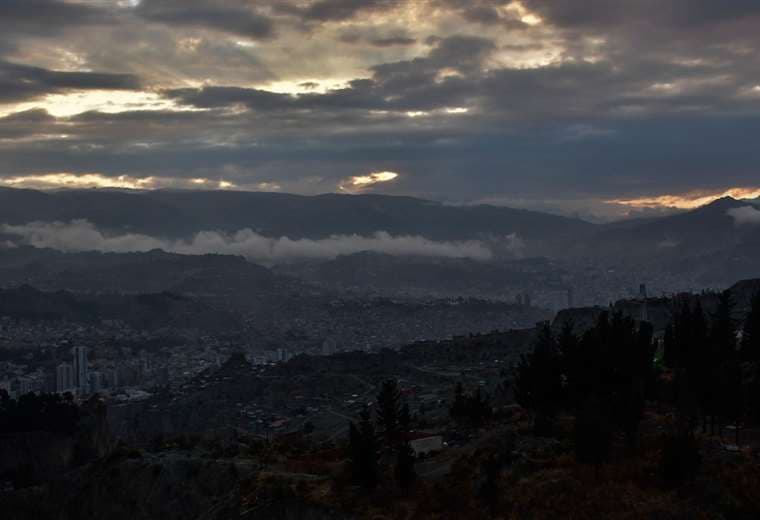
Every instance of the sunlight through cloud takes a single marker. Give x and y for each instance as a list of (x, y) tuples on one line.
[(361, 182), (688, 200), (106, 101)]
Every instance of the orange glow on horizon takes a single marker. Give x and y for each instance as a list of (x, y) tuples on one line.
[(687, 200)]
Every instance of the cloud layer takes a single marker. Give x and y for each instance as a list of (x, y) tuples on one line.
[(80, 235), (531, 100)]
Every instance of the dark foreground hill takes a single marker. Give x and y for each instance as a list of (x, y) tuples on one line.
[(143, 311), (152, 271)]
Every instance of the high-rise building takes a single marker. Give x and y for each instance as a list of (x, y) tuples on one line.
[(64, 378), (644, 305), (81, 379), (25, 386)]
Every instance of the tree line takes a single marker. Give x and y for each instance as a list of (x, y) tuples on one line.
[(706, 366), (382, 438), (54, 413)]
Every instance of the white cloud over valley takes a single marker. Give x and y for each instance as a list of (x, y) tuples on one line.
[(81, 235)]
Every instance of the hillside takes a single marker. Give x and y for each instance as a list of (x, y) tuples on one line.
[(180, 213), (144, 311)]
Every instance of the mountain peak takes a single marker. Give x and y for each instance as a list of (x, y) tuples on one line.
[(722, 204)]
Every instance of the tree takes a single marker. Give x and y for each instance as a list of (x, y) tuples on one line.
[(405, 472), (480, 407), (750, 344), (593, 436), (724, 400), (53, 413), (524, 381), (538, 380), (389, 411), (669, 346), (363, 451), (474, 407), (680, 458), (723, 330), (489, 489), (570, 355), (405, 418), (731, 392), (355, 453), (750, 354)]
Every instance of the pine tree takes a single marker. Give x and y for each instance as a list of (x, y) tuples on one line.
[(750, 344), (479, 407), (355, 453), (489, 489), (570, 359), (405, 418), (731, 392), (723, 330), (669, 354), (538, 381), (683, 331), (593, 436), (389, 411), (405, 471), (458, 408), (523, 387), (750, 353), (368, 457), (722, 401)]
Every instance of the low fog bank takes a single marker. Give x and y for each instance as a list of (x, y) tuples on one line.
[(745, 215), (81, 235)]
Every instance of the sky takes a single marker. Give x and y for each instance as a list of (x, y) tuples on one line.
[(596, 108)]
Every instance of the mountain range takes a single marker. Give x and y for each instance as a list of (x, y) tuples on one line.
[(177, 214), (710, 244)]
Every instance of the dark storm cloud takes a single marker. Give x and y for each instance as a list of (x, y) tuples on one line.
[(406, 85), (538, 95), (664, 13), (25, 124), (484, 12), (20, 82), (337, 10), (393, 40), (354, 37), (228, 16), (42, 16), (632, 156), (43, 19)]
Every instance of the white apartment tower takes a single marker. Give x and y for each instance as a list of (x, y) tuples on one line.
[(64, 378)]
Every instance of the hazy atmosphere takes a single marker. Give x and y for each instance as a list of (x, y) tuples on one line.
[(379, 259)]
